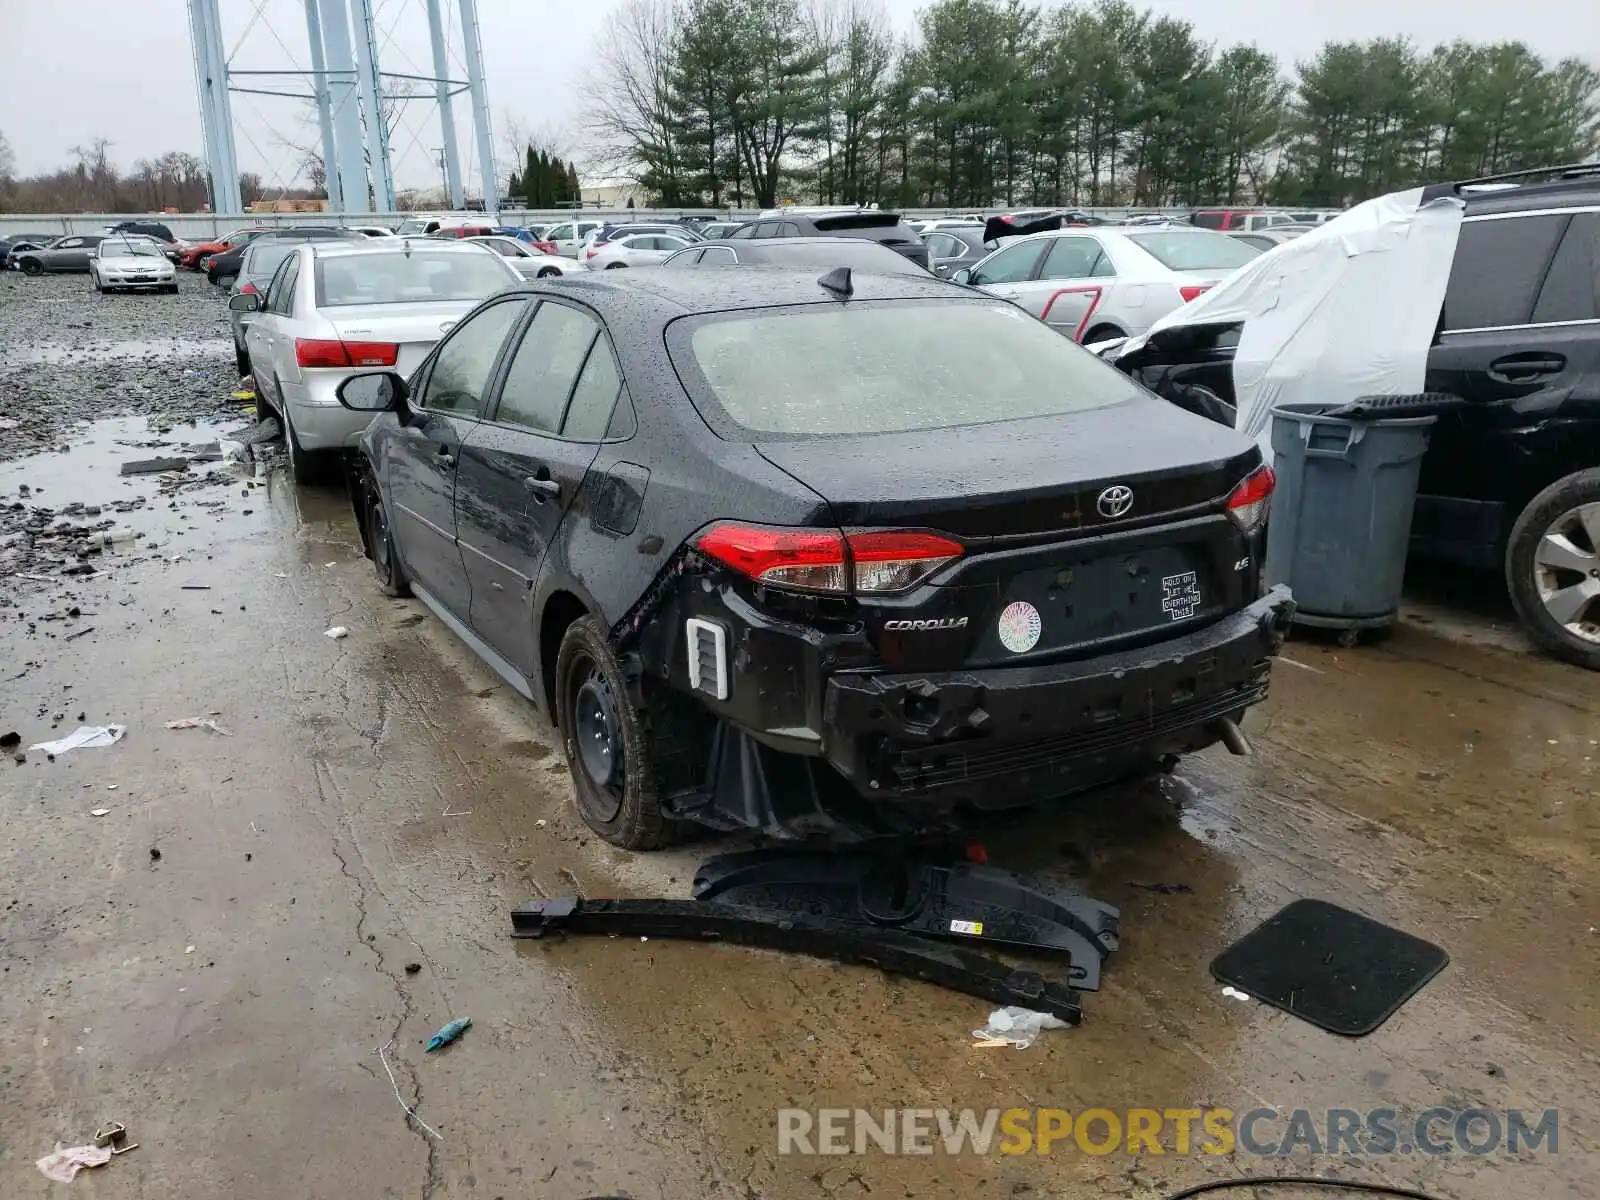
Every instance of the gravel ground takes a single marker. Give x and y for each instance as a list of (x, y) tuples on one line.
[(90, 383), (73, 355)]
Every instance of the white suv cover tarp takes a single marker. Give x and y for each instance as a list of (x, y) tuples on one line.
[(1349, 309)]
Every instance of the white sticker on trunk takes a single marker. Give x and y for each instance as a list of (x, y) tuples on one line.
[(1180, 595), (973, 927), (1020, 627)]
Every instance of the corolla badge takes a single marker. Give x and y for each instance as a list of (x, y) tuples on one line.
[(931, 623), (1115, 501)]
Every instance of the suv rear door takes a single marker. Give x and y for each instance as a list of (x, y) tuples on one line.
[(1519, 339)]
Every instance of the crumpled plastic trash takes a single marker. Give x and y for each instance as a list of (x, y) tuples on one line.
[(449, 1033), (83, 735), (337, 632), (1019, 1027), (199, 723), (1234, 993), (68, 1161)]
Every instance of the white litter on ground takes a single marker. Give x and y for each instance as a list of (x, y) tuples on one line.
[(81, 737), (337, 632), (1019, 1027), (199, 723), (1234, 993)]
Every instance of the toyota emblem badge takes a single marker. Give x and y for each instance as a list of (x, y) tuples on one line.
[(1115, 501)]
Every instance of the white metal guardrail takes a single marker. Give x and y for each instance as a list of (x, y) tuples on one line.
[(197, 227)]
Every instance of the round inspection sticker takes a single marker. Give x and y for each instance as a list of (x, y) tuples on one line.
[(1020, 627)]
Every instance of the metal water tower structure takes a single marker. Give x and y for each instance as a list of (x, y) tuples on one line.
[(353, 95)]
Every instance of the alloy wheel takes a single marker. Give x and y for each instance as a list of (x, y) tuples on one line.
[(1566, 571)]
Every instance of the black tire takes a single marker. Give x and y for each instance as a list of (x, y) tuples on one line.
[(172, 289), (386, 564), (306, 467), (1102, 333), (615, 266), (241, 359), (31, 267), (547, 272), (1531, 581), (622, 807), (94, 282)]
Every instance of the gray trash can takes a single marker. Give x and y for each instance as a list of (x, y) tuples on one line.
[(1341, 514)]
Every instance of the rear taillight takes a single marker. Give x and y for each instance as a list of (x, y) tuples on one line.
[(1250, 500), (319, 352), (1193, 291), (877, 562), (248, 289), (592, 251), (545, 247)]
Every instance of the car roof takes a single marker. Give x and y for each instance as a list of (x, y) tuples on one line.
[(1561, 193), (669, 294)]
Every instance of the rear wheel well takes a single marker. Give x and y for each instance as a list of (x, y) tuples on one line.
[(560, 611), (1102, 332)]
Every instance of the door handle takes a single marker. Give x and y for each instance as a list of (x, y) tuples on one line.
[(541, 487), (1513, 367)]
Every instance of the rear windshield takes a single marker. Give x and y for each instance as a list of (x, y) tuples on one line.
[(891, 368), (422, 275), (866, 220), (862, 255), (1193, 251), (262, 259)]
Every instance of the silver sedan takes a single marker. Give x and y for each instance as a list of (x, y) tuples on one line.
[(337, 308), (635, 250), (1093, 284), (127, 262), (528, 262)]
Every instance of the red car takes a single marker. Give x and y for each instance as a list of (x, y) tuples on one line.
[(190, 257)]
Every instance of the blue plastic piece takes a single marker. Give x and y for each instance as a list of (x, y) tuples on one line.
[(449, 1033)]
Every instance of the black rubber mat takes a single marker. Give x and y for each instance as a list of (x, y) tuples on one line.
[(1335, 968)]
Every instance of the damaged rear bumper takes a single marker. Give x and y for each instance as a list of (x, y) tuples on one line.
[(1005, 736)]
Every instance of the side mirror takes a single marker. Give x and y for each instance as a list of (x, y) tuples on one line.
[(245, 302), (373, 391), (962, 276)]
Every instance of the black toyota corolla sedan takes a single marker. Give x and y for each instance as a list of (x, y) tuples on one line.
[(847, 554)]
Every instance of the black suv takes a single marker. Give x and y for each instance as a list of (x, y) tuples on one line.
[(153, 229), (875, 226), (1511, 480)]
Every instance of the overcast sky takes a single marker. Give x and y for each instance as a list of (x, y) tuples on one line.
[(95, 70)]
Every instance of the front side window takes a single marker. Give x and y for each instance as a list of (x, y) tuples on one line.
[(718, 256), (545, 367), (1013, 264), (886, 368), (684, 258), (464, 363)]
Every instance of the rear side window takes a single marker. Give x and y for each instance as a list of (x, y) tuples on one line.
[(1569, 292), (1193, 251), (545, 367), (589, 413), (829, 370), (1075, 258), (1498, 268), (1207, 220)]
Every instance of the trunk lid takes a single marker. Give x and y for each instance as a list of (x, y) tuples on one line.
[(1053, 569), (414, 327)]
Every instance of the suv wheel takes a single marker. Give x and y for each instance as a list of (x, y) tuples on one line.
[(605, 745), (31, 266), (241, 359), (1553, 568)]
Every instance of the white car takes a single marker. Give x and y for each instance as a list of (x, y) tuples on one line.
[(568, 236), (337, 308), (125, 262), (1097, 283), (373, 231), (529, 263), (635, 250)]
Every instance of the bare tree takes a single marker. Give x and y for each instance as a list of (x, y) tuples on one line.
[(629, 93), (8, 160)]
